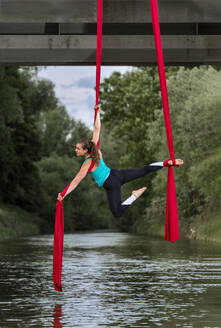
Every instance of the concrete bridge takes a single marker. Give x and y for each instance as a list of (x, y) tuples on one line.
[(63, 32)]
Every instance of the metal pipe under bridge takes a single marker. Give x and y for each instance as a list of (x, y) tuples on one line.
[(63, 32)]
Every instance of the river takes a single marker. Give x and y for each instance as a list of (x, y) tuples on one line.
[(110, 279)]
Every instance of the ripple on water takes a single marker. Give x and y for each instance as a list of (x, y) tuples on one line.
[(110, 280)]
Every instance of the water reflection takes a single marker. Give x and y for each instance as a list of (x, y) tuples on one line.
[(57, 315), (110, 280)]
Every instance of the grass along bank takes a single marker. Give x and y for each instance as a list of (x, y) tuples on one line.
[(15, 222), (205, 228), (155, 228)]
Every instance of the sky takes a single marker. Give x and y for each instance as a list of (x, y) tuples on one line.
[(74, 87)]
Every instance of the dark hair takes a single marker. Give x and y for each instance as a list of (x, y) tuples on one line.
[(92, 150)]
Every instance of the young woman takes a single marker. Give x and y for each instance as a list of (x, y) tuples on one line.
[(110, 179)]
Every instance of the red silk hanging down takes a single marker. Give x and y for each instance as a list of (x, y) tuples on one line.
[(59, 216), (58, 242), (98, 62), (171, 224)]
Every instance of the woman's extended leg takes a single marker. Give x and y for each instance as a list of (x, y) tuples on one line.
[(113, 188), (114, 199), (118, 177), (132, 174)]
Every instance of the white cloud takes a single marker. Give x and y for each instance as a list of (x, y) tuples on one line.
[(74, 87)]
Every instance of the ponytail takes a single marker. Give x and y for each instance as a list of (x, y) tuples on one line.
[(92, 150)]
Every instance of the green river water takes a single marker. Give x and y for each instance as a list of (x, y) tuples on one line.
[(110, 279)]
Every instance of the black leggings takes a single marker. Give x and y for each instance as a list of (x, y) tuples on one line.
[(116, 179)]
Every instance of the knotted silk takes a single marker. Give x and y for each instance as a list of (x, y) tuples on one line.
[(59, 215), (171, 222)]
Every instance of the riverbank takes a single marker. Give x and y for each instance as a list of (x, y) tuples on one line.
[(205, 228), (15, 222)]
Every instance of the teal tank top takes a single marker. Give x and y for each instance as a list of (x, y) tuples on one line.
[(101, 173)]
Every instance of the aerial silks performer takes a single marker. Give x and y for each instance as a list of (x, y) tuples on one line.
[(110, 179)]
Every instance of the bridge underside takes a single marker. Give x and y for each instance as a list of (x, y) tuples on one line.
[(63, 32)]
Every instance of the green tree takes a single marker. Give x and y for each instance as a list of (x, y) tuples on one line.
[(195, 101), (18, 170), (129, 102)]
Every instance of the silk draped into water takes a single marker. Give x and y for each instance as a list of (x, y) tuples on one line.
[(171, 221), (59, 215)]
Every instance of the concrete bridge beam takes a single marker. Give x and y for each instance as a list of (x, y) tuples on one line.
[(115, 11), (63, 32), (124, 50)]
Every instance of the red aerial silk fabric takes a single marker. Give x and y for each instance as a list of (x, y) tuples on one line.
[(57, 322), (98, 61), (171, 223), (58, 242), (59, 215)]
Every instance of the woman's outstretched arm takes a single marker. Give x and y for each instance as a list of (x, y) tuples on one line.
[(97, 126), (74, 183)]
